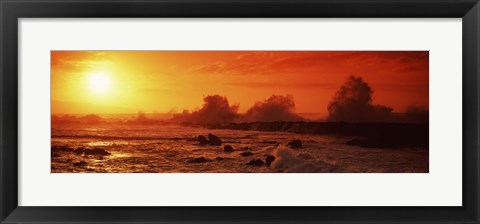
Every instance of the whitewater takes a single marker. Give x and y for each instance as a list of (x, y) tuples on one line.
[(171, 148)]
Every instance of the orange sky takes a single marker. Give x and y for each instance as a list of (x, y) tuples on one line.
[(163, 81)]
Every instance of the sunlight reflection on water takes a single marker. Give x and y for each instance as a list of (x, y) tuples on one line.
[(162, 149)]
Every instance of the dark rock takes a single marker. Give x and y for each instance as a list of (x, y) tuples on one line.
[(228, 148), (246, 154), (61, 149), (305, 156), (202, 140), (374, 134), (214, 140), (79, 151), (82, 163), (55, 155), (219, 158), (295, 144), (269, 160), (197, 160), (246, 148), (256, 162), (270, 142), (96, 151)]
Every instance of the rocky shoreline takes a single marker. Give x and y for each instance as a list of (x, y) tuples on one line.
[(369, 135)]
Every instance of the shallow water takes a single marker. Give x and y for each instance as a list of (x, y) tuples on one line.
[(169, 148)]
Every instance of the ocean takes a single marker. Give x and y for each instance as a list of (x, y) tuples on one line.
[(170, 148)]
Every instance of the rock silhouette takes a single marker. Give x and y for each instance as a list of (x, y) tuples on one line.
[(79, 151), (81, 163), (295, 144), (228, 148), (96, 151), (246, 154), (197, 160), (269, 160), (214, 140), (61, 149), (256, 162), (202, 140)]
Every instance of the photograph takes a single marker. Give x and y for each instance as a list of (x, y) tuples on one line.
[(254, 111)]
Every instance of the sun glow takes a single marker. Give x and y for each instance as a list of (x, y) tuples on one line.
[(99, 82)]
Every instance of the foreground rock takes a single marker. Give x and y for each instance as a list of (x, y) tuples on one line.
[(61, 149), (202, 140), (246, 154), (269, 160), (82, 163), (295, 144), (214, 140), (228, 148), (79, 151), (256, 162), (374, 134), (96, 151), (198, 160)]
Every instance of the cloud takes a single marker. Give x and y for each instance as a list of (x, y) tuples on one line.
[(78, 60), (280, 84), (273, 62)]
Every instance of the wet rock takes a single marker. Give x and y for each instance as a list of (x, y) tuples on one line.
[(202, 140), (96, 151), (305, 156), (214, 140), (61, 149), (81, 163), (197, 160), (246, 154), (269, 160), (270, 142), (79, 151), (256, 162), (228, 148), (295, 144)]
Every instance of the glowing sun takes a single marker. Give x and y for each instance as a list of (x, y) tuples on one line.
[(99, 82)]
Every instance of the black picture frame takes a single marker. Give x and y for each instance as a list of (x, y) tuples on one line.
[(12, 10)]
